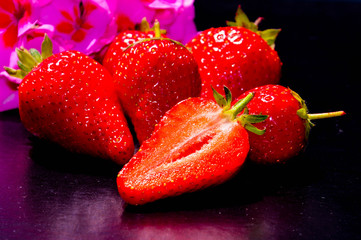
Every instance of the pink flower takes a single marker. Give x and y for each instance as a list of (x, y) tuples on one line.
[(88, 26), (17, 18), (31, 38), (175, 16), (83, 25)]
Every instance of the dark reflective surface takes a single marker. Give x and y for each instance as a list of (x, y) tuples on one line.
[(48, 193)]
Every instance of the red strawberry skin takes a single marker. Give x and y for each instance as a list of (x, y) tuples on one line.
[(120, 43), (70, 99), (192, 147), (285, 135), (234, 57), (153, 76)]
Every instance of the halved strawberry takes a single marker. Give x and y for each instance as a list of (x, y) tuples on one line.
[(197, 144)]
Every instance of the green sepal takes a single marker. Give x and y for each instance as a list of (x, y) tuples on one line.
[(245, 119), (269, 35), (254, 130), (220, 100), (36, 55), (25, 59), (46, 47), (156, 29), (144, 25), (28, 59), (24, 67), (242, 20), (223, 102), (252, 118), (17, 73)]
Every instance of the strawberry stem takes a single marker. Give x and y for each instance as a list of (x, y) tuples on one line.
[(314, 116), (244, 119), (239, 106)]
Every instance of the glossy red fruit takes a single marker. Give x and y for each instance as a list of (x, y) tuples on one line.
[(69, 99), (237, 56), (153, 76), (287, 126), (123, 40), (197, 144)]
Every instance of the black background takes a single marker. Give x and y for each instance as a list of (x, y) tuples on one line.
[(48, 193)]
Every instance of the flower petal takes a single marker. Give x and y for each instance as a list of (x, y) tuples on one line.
[(64, 27), (8, 94), (10, 36), (7, 5), (5, 20)]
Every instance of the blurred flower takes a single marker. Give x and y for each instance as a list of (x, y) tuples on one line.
[(88, 26)]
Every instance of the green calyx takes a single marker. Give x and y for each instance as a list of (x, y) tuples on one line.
[(157, 36), (28, 59), (245, 119), (241, 20), (144, 26), (308, 117)]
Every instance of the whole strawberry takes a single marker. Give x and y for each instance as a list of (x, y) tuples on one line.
[(153, 76), (237, 56), (123, 40), (69, 98), (287, 126), (197, 144)]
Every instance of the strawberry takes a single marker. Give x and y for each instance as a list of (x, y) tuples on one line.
[(287, 127), (153, 76), (237, 56), (123, 40), (197, 144), (69, 98)]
